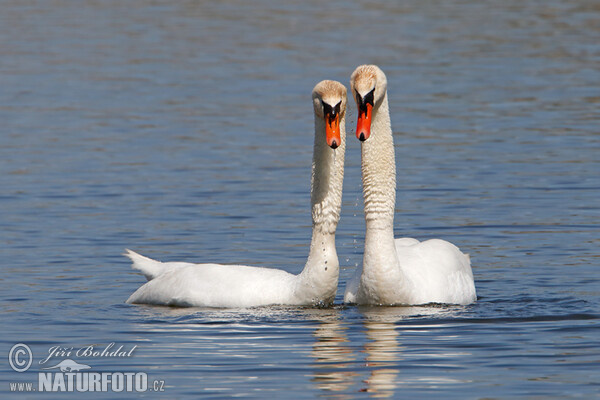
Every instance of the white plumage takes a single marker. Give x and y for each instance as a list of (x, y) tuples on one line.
[(216, 285), (396, 271)]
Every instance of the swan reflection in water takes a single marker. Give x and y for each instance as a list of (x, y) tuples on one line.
[(356, 349), (339, 365), (383, 352), (332, 353), (340, 361)]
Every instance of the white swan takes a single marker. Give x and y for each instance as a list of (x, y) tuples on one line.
[(396, 271), (215, 285)]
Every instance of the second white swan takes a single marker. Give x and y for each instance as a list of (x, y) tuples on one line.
[(215, 285), (396, 271)]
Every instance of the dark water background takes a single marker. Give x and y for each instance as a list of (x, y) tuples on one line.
[(183, 130)]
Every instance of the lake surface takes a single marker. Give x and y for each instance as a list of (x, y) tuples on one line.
[(184, 131)]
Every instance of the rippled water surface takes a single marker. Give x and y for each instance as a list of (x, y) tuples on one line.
[(183, 130)]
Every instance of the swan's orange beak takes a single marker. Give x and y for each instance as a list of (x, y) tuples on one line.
[(365, 112), (332, 129), (363, 126)]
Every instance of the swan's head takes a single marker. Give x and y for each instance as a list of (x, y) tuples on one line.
[(329, 100), (369, 85)]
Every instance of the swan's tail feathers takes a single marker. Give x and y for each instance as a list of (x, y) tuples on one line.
[(149, 267)]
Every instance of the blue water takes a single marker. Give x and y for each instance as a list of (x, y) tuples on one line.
[(183, 130)]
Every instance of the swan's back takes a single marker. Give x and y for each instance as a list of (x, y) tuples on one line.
[(216, 285), (436, 271)]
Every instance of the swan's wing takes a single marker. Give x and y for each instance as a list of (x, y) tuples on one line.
[(405, 242), (437, 270), (215, 285)]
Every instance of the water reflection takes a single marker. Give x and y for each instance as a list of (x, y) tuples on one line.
[(337, 359), (332, 353), (383, 348), (363, 353)]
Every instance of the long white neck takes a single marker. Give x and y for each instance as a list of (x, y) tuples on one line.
[(379, 172), (379, 190), (322, 267)]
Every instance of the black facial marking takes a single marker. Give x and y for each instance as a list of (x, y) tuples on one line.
[(363, 101), (331, 112)]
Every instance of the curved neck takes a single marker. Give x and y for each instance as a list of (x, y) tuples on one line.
[(327, 179), (379, 171), (380, 261), (322, 267)]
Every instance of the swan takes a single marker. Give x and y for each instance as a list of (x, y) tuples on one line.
[(401, 271), (240, 286)]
